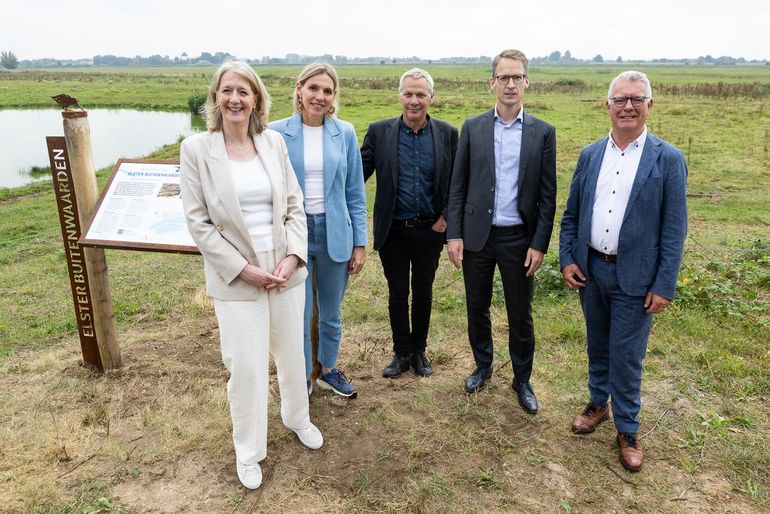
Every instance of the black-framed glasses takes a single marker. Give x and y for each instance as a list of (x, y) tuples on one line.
[(504, 79), (621, 101)]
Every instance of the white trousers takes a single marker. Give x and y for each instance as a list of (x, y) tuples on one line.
[(249, 332)]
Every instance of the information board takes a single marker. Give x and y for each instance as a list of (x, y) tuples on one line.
[(141, 209)]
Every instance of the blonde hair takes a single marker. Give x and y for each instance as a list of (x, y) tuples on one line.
[(516, 55), (261, 112), (311, 70)]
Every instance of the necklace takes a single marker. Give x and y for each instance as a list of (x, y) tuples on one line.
[(240, 151)]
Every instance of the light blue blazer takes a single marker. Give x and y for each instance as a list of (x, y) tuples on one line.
[(344, 196), (651, 239)]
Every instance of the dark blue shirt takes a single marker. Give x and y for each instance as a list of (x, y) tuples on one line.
[(416, 167)]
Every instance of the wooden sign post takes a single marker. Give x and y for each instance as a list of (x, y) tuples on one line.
[(76, 192)]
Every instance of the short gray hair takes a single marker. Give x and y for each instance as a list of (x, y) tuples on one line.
[(631, 76), (415, 73)]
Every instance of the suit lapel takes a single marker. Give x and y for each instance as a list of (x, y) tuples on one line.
[(391, 136), (219, 168), (294, 145), (332, 152), (592, 177), (488, 137), (650, 154), (274, 170), (438, 153), (527, 143)]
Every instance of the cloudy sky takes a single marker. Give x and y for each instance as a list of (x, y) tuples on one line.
[(69, 29)]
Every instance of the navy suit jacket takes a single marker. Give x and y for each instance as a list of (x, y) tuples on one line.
[(379, 153), (344, 196), (654, 226), (472, 194)]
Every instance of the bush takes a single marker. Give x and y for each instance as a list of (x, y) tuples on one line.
[(195, 102)]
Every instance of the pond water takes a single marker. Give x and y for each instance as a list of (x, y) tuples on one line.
[(115, 133)]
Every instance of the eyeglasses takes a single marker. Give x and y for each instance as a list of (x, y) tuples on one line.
[(504, 79), (621, 101)]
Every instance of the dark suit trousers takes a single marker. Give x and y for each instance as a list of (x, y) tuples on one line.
[(506, 248), (418, 248)]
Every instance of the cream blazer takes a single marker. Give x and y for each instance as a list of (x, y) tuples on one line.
[(214, 215)]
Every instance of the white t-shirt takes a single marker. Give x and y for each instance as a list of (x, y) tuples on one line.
[(313, 138), (255, 195)]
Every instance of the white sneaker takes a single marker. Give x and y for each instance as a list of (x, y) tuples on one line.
[(249, 475), (310, 437)]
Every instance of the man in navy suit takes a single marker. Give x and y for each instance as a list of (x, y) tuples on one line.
[(412, 155), (502, 199), (621, 243)]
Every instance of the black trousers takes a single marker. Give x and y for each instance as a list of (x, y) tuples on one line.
[(418, 249), (506, 248)]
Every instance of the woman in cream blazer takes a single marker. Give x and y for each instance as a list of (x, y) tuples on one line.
[(244, 210)]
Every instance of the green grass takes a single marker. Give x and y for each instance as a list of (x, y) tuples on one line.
[(407, 445)]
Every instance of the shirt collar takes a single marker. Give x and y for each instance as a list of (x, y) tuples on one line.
[(519, 117), (634, 144), (423, 129)]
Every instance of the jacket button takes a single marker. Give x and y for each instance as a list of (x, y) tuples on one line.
[(219, 227), (490, 211)]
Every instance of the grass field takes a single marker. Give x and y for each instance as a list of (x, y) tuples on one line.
[(154, 436)]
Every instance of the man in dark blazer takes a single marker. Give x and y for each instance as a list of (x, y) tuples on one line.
[(621, 242), (502, 200), (412, 155)]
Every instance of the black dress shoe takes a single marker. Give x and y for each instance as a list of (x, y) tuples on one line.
[(526, 396), (476, 380), (421, 365), (398, 365)]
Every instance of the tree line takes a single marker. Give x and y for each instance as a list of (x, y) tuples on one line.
[(9, 60)]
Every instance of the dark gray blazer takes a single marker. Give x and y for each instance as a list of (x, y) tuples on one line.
[(472, 188), (651, 239), (379, 153)]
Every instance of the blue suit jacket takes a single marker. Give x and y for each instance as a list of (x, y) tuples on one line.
[(344, 196), (652, 234)]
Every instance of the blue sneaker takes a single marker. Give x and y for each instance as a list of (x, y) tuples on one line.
[(337, 382)]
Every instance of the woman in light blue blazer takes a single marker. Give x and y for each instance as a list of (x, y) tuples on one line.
[(324, 154)]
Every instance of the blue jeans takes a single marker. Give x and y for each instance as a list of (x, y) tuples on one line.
[(331, 280), (617, 329)]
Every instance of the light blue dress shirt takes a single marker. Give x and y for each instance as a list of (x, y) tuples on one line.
[(507, 160)]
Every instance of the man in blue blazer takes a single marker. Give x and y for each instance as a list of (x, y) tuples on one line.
[(412, 155), (502, 200), (621, 243)]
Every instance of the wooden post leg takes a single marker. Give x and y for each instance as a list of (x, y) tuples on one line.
[(78, 137)]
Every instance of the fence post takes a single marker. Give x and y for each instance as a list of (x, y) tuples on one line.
[(77, 134)]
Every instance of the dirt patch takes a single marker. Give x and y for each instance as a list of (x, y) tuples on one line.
[(157, 433)]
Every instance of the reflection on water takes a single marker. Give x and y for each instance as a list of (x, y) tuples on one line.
[(115, 133)]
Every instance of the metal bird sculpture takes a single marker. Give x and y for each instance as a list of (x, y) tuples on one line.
[(67, 101)]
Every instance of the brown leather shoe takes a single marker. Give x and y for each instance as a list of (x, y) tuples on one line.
[(631, 454), (587, 421)]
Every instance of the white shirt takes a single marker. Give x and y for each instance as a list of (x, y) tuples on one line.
[(255, 196), (613, 188), (313, 141)]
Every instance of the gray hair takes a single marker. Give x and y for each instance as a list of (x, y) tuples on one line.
[(309, 71), (259, 116), (415, 73), (631, 76)]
